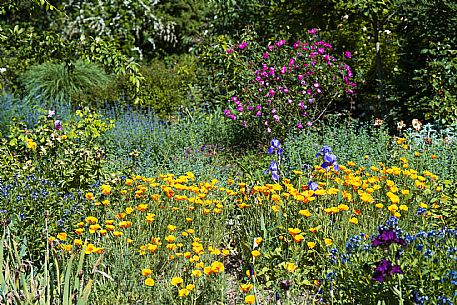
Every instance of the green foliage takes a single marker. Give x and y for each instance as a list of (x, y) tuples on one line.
[(427, 270), (73, 157), (134, 25), (32, 42), (169, 85), (78, 83), (61, 281)]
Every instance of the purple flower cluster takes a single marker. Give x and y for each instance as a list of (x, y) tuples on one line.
[(387, 238), (384, 269)]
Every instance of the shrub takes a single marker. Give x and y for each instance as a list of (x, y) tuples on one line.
[(79, 82), (169, 85), (286, 85), (69, 154)]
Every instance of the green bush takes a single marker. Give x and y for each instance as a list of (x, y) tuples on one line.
[(70, 155), (80, 82), (169, 85)]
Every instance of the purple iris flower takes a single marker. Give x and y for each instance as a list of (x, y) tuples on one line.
[(313, 185), (383, 269), (388, 237), (275, 146), (330, 159), (274, 170), (324, 150), (58, 125)]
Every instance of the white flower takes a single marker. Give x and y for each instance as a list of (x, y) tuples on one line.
[(2, 70)]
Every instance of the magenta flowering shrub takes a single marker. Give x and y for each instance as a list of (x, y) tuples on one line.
[(286, 85)]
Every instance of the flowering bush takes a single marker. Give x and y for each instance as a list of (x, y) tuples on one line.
[(69, 153), (286, 85)]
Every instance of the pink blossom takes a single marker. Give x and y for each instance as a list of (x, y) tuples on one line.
[(276, 118), (309, 124), (299, 125), (265, 55), (347, 54), (243, 45), (312, 31), (229, 51)]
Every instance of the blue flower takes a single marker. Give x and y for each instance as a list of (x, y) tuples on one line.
[(275, 147), (274, 170), (313, 185), (443, 300), (328, 158), (324, 151)]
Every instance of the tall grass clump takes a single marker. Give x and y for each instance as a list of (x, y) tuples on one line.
[(77, 81)]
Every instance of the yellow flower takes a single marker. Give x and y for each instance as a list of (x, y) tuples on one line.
[(354, 220), (305, 213), (31, 144), (311, 244), (328, 241), (249, 299), (170, 238), (294, 231), (217, 267), (118, 233), (403, 207), (190, 287), (298, 238), (62, 236), (128, 210), (393, 208), (379, 205), (89, 196), (290, 267), (176, 281), (208, 270), (313, 230), (128, 181), (255, 253), (196, 273), (91, 220), (149, 282), (258, 241), (77, 242), (183, 292), (275, 208), (171, 228), (246, 287), (146, 272), (106, 189)]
